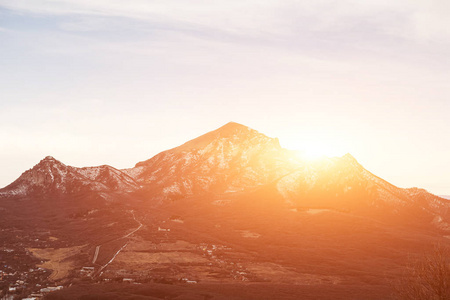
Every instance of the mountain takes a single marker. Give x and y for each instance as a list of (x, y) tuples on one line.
[(228, 207), (235, 159), (342, 183), (232, 158), (52, 177)]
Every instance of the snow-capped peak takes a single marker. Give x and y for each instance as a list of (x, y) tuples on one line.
[(51, 176), (231, 158), (49, 158)]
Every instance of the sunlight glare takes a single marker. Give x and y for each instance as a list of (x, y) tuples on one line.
[(313, 150)]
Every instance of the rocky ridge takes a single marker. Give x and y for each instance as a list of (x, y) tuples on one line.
[(235, 159)]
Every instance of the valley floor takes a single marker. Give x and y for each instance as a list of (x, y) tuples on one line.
[(208, 252), (216, 291)]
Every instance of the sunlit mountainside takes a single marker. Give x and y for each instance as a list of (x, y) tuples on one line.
[(231, 207)]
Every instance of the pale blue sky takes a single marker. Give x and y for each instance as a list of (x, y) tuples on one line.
[(115, 82)]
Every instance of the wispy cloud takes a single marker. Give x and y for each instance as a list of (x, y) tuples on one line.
[(319, 28), (421, 18)]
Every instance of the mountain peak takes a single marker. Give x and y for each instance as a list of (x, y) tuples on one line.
[(348, 159), (232, 131), (230, 158), (348, 156), (50, 176), (47, 175), (233, 126), (49, 159)]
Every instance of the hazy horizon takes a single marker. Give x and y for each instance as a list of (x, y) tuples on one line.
[(100, 82)]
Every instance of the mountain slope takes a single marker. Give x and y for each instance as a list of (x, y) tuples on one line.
[(235, 159), (52, 177), (230, 159), (228, 206), (343, 184)]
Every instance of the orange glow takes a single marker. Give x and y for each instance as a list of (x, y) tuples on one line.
[(313, 150), (312, 154)]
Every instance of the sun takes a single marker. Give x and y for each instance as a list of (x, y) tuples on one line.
[(313, 150)]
